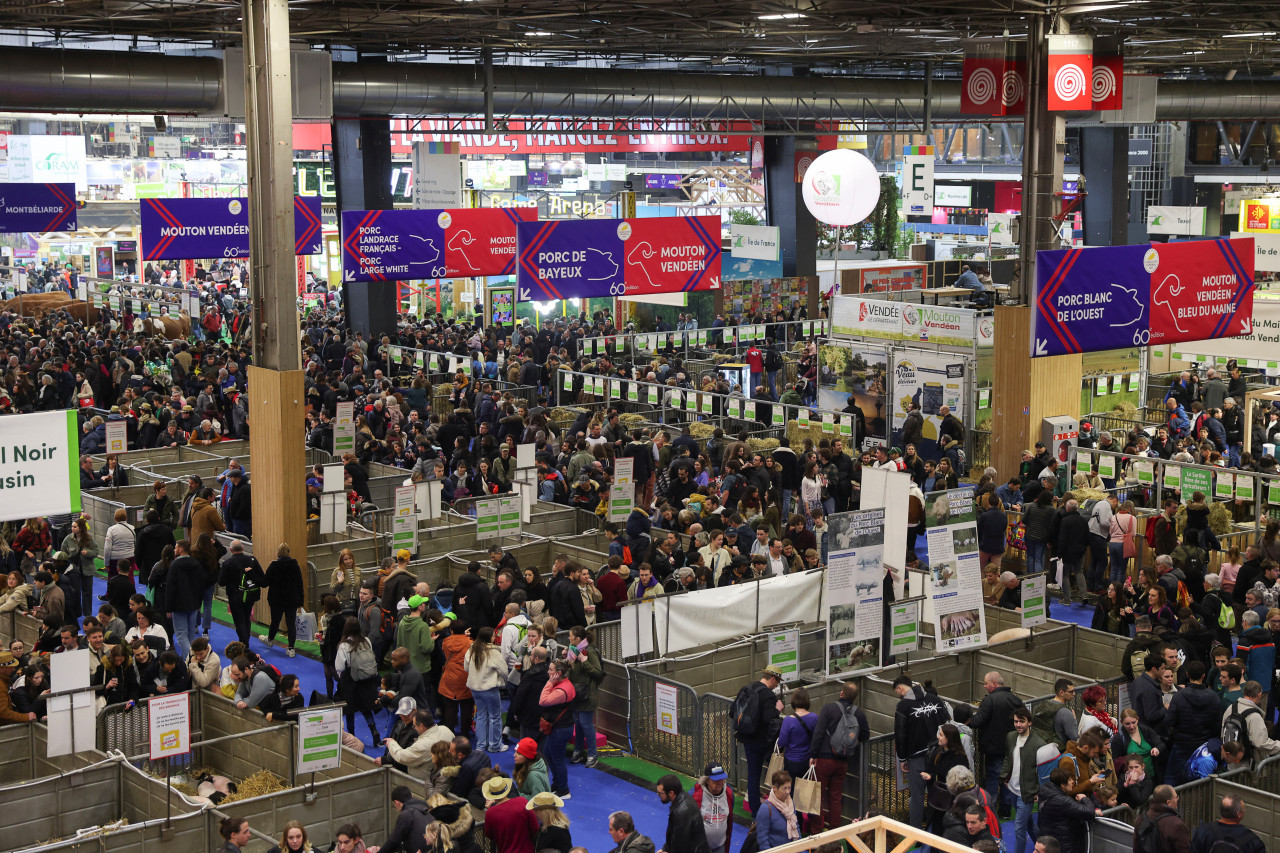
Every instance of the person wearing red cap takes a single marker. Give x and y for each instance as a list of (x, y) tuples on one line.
[(531, 775)]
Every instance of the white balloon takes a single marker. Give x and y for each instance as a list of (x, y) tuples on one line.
[(841, 188)]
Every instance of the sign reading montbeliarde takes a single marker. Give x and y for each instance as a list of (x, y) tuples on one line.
[(39, 465)]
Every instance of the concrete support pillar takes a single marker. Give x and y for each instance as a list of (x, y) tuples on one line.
[(1025, 390), (1104, 153), (786, 209), (278, 463)]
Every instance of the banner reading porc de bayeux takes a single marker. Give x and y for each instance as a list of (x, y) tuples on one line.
[(39, 465)]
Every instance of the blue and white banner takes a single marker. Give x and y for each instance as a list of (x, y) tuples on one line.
[(37, 208), (183, 228)]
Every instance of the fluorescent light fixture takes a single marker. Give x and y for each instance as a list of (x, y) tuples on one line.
[(536, 33), (782, 16), (1249, 35)]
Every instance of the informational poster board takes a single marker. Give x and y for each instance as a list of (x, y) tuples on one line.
[(784, 653), (404, 524), (666, 702), (71, 711), (1035, 600), (930, 380), (488, 519), (344, 429), (319, 740), (959, 618), (169, 725), (855, 590), (117, 437), (509, 515), (622, 493), (904, 627)]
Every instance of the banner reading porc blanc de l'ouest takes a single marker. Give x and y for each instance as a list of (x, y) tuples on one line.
[(176, 229), (579, 258), (1112, 297), (397, 245)]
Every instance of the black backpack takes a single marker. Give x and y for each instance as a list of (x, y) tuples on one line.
[(772, 361), (1147, 837), (1236, 728), (745, 712)]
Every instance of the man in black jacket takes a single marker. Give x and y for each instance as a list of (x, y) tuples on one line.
[(524, 707), (829, 767), (184, 594), (993, 721), (788, 465), (1194, 717), (407, 835), (565, 602), (685, 830), (756, 744), (1146, 695), (915, 728)]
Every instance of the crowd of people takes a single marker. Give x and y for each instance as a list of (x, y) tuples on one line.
[(724, 510)]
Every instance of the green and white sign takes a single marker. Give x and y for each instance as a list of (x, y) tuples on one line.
[(623, 490), (784, 653), (707, 403), (904, 627), (39, 465), (488, 519), (1224, 486), (1034, 600), (1145, 472), (653, 395), (509, 515), (1173, 477), (1106, 466), (1196, 480), (344, 429), (1273, 492), (319, 740), (1244, 487), (404, 524)]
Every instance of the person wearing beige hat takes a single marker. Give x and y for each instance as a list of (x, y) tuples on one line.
[(554, 834), (508, 823), (8, 666), (754, 714)]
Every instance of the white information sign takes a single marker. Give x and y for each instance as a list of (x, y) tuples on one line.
[(117, 437), (344, 428), (666, 703), (319, 740), (169, 725), (784, 653)]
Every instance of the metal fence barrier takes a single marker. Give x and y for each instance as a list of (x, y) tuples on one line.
[(681, 751)]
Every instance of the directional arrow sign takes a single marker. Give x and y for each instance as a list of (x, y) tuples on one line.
[(569, 259), (1042, 346), (183, 228), (394, 245), (37, 208)]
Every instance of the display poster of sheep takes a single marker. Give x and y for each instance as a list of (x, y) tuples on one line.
[(959, 619), (930, 380), (855, 590), (845, 370)]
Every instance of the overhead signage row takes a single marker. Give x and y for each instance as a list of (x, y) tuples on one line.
[(397, 245), (617, 257), (183, 228), (855, 316), (1110, 297)]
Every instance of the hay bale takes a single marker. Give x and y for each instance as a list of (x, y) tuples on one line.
[(701, 429), (259, 784)]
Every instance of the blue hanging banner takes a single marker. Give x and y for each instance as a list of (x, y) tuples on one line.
[(182, 228), (37, 208)]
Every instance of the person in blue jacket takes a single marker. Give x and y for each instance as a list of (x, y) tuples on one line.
[(777, 822)]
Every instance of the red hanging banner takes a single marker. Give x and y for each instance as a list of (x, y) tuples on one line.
[(1070, 75), (1108, 75), (981, 84), (1013, 89)]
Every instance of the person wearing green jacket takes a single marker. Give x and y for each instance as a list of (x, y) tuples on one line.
[(414, 634), (160, 501), (585, 675), (531, 775), (81, 552)]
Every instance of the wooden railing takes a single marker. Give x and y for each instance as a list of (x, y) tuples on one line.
[(873, 836)]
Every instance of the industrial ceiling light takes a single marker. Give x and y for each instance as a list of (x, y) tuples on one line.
[(781, 16), (1249, 35), (536, 33), (1231, 74)]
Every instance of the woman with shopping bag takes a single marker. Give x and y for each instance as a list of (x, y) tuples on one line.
[(776, 822)]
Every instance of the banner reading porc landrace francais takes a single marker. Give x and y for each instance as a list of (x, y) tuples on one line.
[(39, 464)]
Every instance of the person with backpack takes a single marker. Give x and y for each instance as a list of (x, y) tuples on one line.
[(283, 581), (1244, 723), (841, 726), (1062, 816), (1194, 719), (1161, 830), (1216, 610), (1193, 561), (916, 720), (772, 364), (755, 717), (1054, 719), (1257, 649), (1227, 834), (357, 670)]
